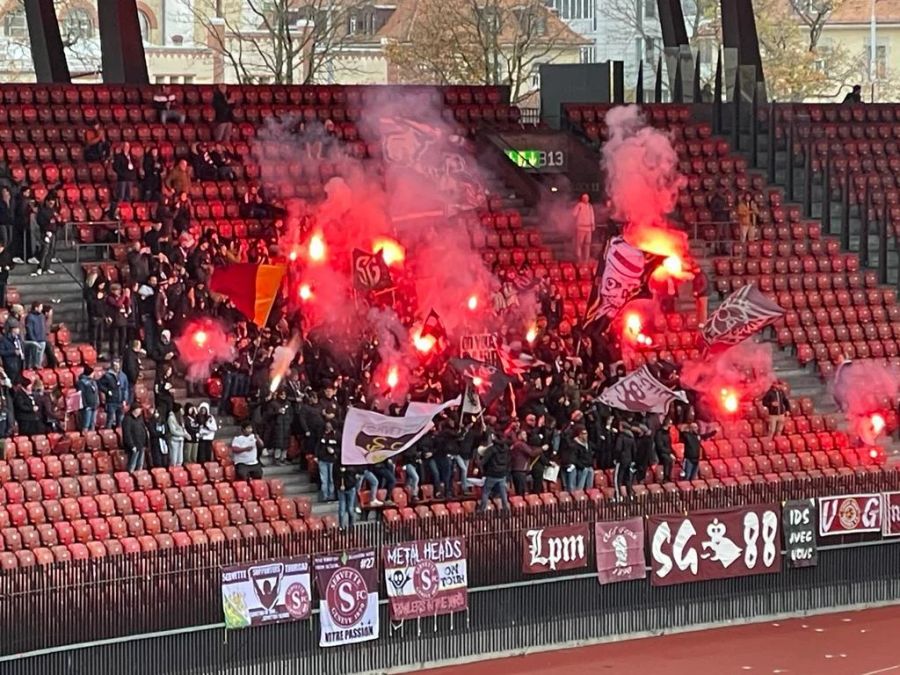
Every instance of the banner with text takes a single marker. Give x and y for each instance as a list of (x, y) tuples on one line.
[(481, 347), (850, 514), (891, 516), (714, 545), (272, 591), (620, 550), (347, 583), (426, 577), (799, 523), (553, 549)]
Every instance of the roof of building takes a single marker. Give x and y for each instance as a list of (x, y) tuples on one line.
[(853, 12)]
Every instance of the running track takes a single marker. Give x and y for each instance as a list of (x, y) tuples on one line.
[(851, 643)]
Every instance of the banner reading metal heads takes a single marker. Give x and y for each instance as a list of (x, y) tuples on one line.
[(744, 312), (641, 392), (370, 437), (620, 278), (426, 578)]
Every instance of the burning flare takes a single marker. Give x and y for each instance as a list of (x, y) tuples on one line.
[(317, 248), (473, 303), (391, 251), (393, 377), (305, 292)]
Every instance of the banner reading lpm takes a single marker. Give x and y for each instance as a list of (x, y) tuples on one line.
[(714, 544), (426, 577), (348, 596), (799, 521), (552, 549), (266, 592)]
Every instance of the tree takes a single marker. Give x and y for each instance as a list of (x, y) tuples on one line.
[(282, 41), (814, 14), (488, 42)]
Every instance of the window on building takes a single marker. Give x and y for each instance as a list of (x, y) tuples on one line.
[(78, 24), (650, 9), (144, 22), (638, 49), (586, 55), (880, 70), (14, 24), (639, 14)]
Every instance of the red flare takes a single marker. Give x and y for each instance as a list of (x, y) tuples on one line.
[(424, 344), (317, 249), (391, 251), (200, 338), (305, 292), (878, 423), (730, 401), (473, 303), (393, 377)]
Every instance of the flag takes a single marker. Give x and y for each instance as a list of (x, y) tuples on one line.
[(370, 272), (640, 392), (744, 312), (252, 288), (434, 327), (370, 437), (516, 364), (419, 409), (488, 381), (471, 403), (621, 277)]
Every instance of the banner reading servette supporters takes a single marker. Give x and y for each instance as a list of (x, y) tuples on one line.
[(891, 514), (553, 549), (347, 583), (850, 514), (370, 437), (426, 577), (799, 522), (714, 545), (620, 550), (271, 591), (640, 392)]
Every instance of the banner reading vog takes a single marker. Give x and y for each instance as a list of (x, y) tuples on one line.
[(714, 544), (348, 596), (552, 549), (799, 522), (426, 577), (620, 550), (272, 591), (850, 514)]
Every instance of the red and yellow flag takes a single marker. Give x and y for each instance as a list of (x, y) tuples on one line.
[(252, 288)]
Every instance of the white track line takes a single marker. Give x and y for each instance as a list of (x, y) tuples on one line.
[(883, 670)]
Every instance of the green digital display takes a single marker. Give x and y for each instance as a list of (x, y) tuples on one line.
[(525, 158)]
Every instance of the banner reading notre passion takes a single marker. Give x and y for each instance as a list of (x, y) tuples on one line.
[(266, 592), (799, 521), (552, 549), (850, 514), (348, 596), (620, 550), (714, 545), (426, 578)]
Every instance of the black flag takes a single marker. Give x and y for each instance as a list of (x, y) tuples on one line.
[(370, 273), (490, 382), (433, 327)]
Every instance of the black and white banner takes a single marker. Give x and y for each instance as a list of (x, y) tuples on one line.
[(640, 392), (743, 313), (799, 522)]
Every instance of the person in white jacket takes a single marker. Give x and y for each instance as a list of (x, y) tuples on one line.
[(208, 429), (177, 435), (585, 222)]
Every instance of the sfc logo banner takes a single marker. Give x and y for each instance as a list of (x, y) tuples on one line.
[(553, 549), (426, 578), (267, 592), (348, 597)]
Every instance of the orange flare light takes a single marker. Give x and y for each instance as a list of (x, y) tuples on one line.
[(393, 377), (200, 338), (473, 303), (424, 344), (878, 423), (305, 292), (317, 248), (391, 251), (673, 265), (633, 323), (477, 381), (730, 401), (531, 335)]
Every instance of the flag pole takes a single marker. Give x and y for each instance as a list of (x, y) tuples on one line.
[(512, 400)]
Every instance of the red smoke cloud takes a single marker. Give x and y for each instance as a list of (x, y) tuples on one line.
[(203, 344)]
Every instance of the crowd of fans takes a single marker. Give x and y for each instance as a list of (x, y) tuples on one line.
[(555, 430)]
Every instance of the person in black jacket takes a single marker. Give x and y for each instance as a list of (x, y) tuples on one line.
[(663, 442), (495, 465), (693, 449), (777, 405), (623, 454), (26, 409), (151, 176), (279, 416), (327, 454), (583, 458), (23, 248), (47, 220), (126, 173), (345, 482), (223, 106), (135, 438), (159, 448), (131, 366), (412, 467), (6, 265)]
